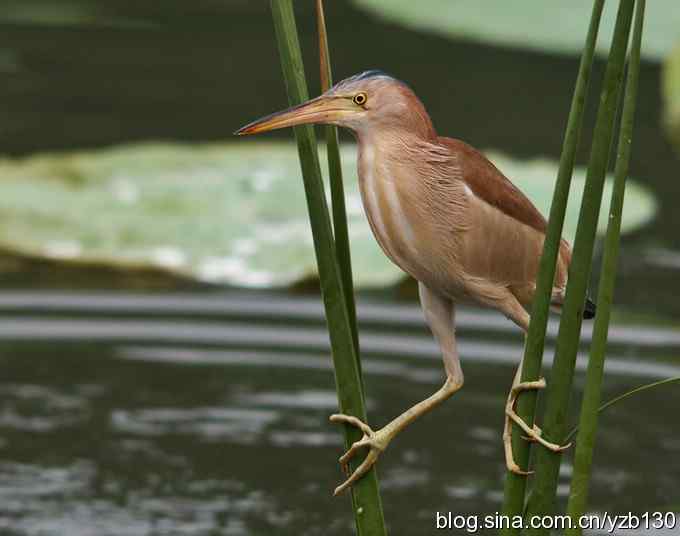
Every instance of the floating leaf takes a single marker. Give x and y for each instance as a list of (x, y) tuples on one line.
[(544, 25), (225, 213)]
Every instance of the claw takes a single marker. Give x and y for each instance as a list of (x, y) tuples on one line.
[(533, 434), (360, 471), (370, 439), (514, 468), (350, 419), (531, 439), (347, 456), (527, 386)]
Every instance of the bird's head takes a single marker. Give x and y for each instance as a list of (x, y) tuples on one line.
[(370, 101)]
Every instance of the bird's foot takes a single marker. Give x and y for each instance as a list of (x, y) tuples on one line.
[(375, 441), (531, 439), (533, 434)]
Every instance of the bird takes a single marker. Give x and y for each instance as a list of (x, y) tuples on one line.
[(448, 217)]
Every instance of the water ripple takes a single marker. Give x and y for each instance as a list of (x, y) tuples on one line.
[(239, 425)]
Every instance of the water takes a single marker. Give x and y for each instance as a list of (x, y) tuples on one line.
[(206, 413), (212, 417)]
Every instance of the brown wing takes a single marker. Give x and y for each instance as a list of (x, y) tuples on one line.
[(488, 183)]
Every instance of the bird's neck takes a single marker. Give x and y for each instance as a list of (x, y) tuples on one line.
[(394, 146), (388, 189), (418, 130)]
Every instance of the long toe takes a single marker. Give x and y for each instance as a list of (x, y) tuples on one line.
[(374, 441), (554, 446), (514, 468), (357, 445), (536, 436), (352, 421), (360, 471)]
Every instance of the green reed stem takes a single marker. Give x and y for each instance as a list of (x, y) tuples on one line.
[(585, 445), (340, 229), (515, 485), (542, 499), (366, 500), (588, 421)]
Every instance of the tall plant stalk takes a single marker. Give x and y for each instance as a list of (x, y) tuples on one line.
[(542, 499), (515, 485), (366, 500), (339, 212), (585, 445)]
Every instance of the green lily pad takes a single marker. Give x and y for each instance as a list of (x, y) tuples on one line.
[(546, 25), (671, 96), (226, 213)]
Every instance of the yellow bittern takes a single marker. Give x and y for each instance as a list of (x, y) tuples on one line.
[(445, 215)]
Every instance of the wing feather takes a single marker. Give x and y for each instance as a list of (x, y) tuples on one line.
[(488, 183)]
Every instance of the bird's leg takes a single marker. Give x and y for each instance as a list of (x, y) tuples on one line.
[(515, 312), (377, 441), (534, 433), (439, 313)]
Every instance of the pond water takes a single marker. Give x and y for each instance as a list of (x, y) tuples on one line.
[(195, 414), (206, 413)]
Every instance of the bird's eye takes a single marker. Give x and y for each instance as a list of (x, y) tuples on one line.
[(360, 99)]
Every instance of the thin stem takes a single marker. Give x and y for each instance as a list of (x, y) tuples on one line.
[(515, 485), (366, 500), (585, 445), (339, 212), (624, 396), (542, 499)]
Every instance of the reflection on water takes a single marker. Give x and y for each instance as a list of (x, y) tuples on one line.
[(208, 424), (138, 436)]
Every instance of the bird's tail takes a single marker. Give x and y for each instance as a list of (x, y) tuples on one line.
[(589, 309)]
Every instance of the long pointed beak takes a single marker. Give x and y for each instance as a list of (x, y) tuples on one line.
[(322, 109)]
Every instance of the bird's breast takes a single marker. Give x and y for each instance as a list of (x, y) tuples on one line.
[(390, 209)]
